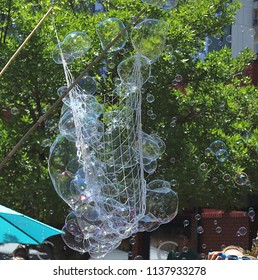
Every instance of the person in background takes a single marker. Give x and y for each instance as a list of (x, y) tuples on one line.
[(183, 250), (21, 253), (230, 252)]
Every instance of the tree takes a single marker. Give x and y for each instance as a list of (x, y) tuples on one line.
[(211, 100)]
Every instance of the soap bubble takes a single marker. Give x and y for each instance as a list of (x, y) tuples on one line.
[(150, 167), (203, 166), (200, 230), (149, 38), (108, 30), (161, 200), (150, 98), (218, 229), (226, 177), (241, 179), (221, 155), (198, 217), (14, 111), (173, 182), (152, 79), (134, 70), (217, 145), (242, 231), (186, 223), (74, 45), (229, 38), (66, 126), (88, 84), (251, 213)]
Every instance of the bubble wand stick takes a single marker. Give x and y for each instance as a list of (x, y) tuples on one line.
[(25, 41), (59, 100)]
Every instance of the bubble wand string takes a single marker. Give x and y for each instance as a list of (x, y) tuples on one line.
[(59, 100), (25, 41)]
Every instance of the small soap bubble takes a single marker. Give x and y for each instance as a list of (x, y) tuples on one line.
[(46, 143), (208, 152), (153, 116), (241, 179), (208, 41), (173, 59), (200, 230), (178, 78), (168, 49), (242, 231), (152, 79), (204, 166), (185, 249), (218, 229), (172, 124), (132, 240), (186, 223), (149, 112), (111, 65), (172, 160), (150, 98), (192, 103), (14, 111), (215, 180), (173, 182), (251, 213), (198, 217), (229, 38), (251, 32), (203, 256), (221, 155), (122, 51), (217, 36), (226, 177), (192, 181)]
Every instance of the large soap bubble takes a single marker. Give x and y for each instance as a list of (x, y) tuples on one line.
[(88, 84), (74, 45), (134, 70), (149, 38), (108, 30)]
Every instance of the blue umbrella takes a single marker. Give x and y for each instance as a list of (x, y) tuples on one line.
[(18, 228)]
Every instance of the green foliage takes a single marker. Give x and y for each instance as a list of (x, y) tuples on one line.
[(216, 101)]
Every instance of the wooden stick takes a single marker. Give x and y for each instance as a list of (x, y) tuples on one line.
[(59, 100), (25, 41)]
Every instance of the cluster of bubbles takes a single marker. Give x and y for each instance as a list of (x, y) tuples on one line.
[(218, 149), (99, 160)]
